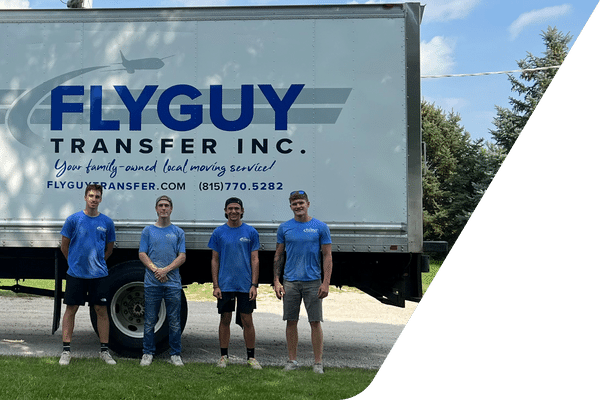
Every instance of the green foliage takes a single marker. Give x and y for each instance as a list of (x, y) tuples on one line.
[(454, 174), (43, 378), (532, 86), (434, 267)]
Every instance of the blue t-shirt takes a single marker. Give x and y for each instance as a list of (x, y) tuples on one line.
[(89, 237), (162, 245), (303, 242), (234, 246)]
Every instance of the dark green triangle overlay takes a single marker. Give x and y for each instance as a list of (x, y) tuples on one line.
[(512, 312)]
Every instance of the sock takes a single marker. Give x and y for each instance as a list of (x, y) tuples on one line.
[(103, 346), (66, 346), (250, 353), (224, 352)]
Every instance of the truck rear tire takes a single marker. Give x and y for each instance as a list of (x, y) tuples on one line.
[(126, 311)]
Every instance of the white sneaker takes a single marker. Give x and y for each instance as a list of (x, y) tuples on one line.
[(105, 355), (253, 363), (176, 360), (146, 360), (65, 358), (291, 365), (318, 368), (223, 361)]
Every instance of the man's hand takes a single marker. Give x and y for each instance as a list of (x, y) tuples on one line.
[(323, 291), (253, 293), (279, 290), (161, 275), (217, 293)]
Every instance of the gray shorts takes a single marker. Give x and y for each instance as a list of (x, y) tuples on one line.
[(297, 291)]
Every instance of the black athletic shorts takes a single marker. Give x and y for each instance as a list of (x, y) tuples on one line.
[(78, 291), (227, 302)]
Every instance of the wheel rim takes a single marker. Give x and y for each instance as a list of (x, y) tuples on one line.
[(127, 310)]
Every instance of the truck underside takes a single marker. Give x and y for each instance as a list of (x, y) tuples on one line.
[(390, 278)]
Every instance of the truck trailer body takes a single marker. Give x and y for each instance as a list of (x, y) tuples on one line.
[(203, 104)]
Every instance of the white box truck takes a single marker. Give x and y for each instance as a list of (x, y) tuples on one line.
[(203, 104)]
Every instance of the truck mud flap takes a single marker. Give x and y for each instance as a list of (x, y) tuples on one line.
[(57, 294)]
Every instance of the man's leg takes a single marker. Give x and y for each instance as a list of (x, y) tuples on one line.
[(173, 304), (291, 314), (250, 340), (152, 299), (68, 323), (314, 309), (316, 333), (291, 336), (224, 330), (103, 324), (249, 332), (103, 330)]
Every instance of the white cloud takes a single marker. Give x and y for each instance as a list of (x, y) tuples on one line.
[(14, 4), (449, 104), (537, 17), (437, 56), (447, 10)]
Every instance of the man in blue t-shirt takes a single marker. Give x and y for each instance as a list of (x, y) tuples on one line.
[(234, 267), (162, 251), (303, 239), (87, 241)]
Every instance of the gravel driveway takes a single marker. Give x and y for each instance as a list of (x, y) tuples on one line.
[(359, 331)]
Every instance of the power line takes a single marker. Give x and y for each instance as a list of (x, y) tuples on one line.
[(490, 73)]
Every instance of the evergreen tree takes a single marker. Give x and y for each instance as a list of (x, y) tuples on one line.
[(510, 122), (453, 174)]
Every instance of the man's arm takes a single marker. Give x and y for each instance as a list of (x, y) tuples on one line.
[(214, 269), (161, 273), (327, 269), (254, 265), (109, 249), (150, 265), (64, 246), (277, 268), (177, 262), (147, 262)]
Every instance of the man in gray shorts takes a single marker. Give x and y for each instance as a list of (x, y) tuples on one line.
[(303, 239)]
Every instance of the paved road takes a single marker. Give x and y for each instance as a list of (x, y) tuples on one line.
[(26, 324)]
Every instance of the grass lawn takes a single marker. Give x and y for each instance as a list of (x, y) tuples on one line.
[(37, 378), (42, 377), (434, 267)]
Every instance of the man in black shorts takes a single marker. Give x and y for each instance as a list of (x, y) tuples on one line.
[(87, 241), (234, 268)]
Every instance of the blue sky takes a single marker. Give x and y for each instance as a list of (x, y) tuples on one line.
[(457, 37)]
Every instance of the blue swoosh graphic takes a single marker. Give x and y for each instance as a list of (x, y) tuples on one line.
[(18, 115)]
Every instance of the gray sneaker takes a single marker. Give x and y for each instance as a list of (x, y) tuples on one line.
[(291, 365), (176, 360), (318, 368), (105, 355), (146, 360), (65, 358)]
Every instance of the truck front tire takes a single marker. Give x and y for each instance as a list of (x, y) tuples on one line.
[(126, 311)]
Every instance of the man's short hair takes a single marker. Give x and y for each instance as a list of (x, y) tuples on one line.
[(297, 195), (93, 186), (164, 197)]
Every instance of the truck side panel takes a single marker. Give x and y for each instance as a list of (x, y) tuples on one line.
[(204, 104)]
